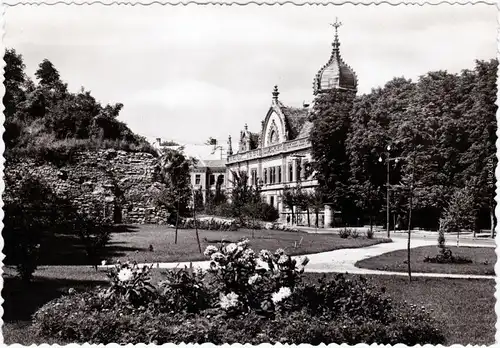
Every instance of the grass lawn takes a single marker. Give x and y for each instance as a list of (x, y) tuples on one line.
[(133, 243), (451, 299), (483, 261), (465, 308)]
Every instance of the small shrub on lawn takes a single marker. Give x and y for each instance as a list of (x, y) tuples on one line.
[(446, 256), (345, 233), (370, 234), (349, 232), (243, 298)]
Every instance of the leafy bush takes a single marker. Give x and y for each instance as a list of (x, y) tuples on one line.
[(223, 209), (370, 233), (446, 256), (268, 212), (130, 285), (183, 290), (354, 233), (90, 324), (243, 298), (345, 233)]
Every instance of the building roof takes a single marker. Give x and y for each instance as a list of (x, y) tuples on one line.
[(295, 119), (254, 140), (214, 163), (335, 74), (204, 154)]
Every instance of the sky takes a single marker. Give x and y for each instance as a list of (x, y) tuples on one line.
[(186, 73)]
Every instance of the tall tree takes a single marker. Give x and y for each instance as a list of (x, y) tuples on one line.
[(370, 133), (176, 168), (480, 160), (328, 138)]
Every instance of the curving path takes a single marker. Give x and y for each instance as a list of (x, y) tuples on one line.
[(344, 260)]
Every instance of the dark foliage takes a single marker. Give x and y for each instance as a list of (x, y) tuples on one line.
[(442, 129), (45, 121), (338, 311), (34, 213)]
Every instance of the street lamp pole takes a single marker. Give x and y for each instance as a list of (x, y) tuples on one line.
[(388, 170), (388, 197)]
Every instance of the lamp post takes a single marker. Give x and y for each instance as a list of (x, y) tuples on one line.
[(388, 170)]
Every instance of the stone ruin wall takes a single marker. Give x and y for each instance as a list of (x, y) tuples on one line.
[(124, 183)]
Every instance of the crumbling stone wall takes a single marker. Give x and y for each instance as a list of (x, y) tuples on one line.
[(125, 184)]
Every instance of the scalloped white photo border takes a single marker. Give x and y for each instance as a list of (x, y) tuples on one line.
[(495, 6)]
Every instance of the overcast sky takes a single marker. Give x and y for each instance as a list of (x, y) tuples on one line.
[(188, 72)]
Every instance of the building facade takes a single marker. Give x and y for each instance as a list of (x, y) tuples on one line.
[(208, 175), (278, 155)]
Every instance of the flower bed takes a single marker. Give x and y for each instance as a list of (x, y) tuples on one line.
[(244, 297), (209, 223)]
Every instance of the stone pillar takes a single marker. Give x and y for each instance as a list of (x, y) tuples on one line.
[(328, 215), (294, 171), (283, 169)]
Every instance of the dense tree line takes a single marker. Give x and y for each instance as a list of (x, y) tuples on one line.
[(441, 131), (44, 119)]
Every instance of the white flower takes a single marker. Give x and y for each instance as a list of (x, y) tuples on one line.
[(281, 294), (283, 259), (217, 257), (125, 274), (243, 243), (231, 248), (254, 279), (248, 254), (280, 251), (265, 255), (210, 250), (229, 300), (103, 262)]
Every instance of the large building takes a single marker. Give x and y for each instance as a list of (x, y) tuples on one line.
[(278, 154)]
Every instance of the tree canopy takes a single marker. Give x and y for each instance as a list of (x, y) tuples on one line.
[(43, 118), (441, 129)]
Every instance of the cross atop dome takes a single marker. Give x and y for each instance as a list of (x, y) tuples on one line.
[(335, 74), (336, 25)]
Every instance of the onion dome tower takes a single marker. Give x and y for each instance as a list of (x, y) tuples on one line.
[(335, 74)]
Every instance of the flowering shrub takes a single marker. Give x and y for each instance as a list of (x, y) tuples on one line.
[(209, 223), (183, 290), (130, 284), (284, 270), (243, 298)]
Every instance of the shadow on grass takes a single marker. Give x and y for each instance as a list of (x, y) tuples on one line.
[(123, 229), (22, 300), (68, 249)]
